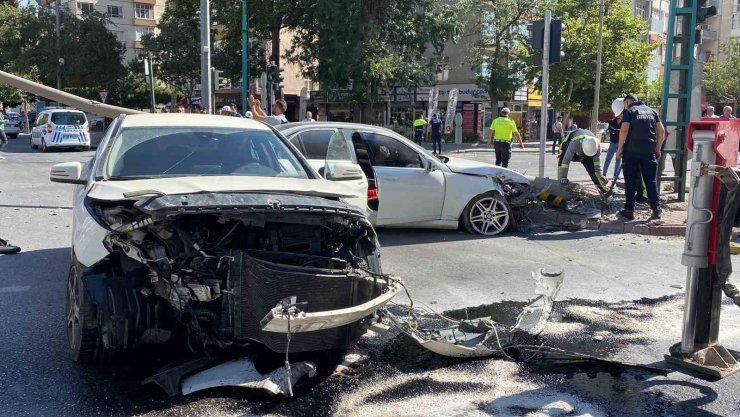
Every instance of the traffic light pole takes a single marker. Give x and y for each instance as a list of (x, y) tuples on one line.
[(597, 90), (245, 55), (545, 88), (205, 57)]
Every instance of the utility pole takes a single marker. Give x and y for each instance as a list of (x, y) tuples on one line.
[(149, 73), (59, 48), (205, 57), (545, 88), (595, 113), (245, 55)]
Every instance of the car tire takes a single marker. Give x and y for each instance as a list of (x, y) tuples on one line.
[(487, 214), (81, 318), (44, 148)]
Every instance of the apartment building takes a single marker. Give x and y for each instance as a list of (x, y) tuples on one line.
[(721, 28), (129, 19)]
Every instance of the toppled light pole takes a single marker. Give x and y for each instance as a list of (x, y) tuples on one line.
[(595, 113), (545, 88)]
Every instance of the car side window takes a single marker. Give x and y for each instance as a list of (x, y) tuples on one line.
[(42, 119), (385, 151), (315, 143)]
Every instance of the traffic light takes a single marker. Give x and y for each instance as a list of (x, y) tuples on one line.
[(219, 83), (703, 12), (279, 78), (536, 40), (557, 27), (271, 72)]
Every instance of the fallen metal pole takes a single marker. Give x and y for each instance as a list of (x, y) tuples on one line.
[(84, 104)]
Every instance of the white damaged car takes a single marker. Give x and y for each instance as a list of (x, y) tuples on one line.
[(216, 230), (408, 186)]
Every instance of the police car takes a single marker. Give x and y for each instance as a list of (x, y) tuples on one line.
[(61, 128)]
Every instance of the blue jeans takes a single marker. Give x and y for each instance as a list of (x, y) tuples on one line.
[(637, 167), (609, 155)]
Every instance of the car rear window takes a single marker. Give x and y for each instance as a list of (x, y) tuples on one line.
[(155, 152), (68, 118)]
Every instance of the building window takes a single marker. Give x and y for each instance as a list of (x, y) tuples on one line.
[(641, 9), (141, 31), (85, 7), (520, 95), (488, 24), (443, 69), (115, 11), (144, 11)]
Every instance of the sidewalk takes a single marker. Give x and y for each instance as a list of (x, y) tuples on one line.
[(453, 148), (590, 213)]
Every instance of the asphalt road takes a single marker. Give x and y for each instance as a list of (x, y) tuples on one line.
[(444, 269)]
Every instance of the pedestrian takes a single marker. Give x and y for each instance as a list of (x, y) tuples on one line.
[(278, 112), (582, 146), (501, 132), (309, 117), (248, 114), (614, 125), (436, 126), (180, 109), (3, 138), (710, 112), (419, 124), (640, 141), (225, 111), (234, 111), (727, 113), (557, 133), (569, 126)]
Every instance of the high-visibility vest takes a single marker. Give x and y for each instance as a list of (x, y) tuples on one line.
[(503, 129)]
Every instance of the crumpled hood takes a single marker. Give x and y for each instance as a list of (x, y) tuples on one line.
[(115, 190), (466, 166)]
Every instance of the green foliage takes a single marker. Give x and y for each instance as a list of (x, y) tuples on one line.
[(624, 61), (91, 53), (132, 91), (501, 49), (721, 79), (653, 93)]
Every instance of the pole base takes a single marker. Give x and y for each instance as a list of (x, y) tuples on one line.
[(714, 360)]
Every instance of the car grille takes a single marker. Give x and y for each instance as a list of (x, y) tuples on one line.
[(258, 286)]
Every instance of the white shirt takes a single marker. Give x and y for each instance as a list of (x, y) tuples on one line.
[(275, 120)]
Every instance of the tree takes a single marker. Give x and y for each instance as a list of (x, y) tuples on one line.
[(176, 49), (372, 44), (131, 89), (721, 80), (499, 57), (653, 94), (625, 56)]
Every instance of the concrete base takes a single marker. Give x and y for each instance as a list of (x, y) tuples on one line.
[(714, 360)]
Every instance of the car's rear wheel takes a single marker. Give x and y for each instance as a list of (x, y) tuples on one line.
[(487, 214), (43, 145), (82, 329)]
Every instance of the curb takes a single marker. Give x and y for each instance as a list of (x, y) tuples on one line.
[(618, 227)]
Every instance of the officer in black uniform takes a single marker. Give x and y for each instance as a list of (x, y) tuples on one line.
[(640, 141)]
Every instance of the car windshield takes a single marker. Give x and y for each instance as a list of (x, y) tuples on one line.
[(156, 152), (68, 118)]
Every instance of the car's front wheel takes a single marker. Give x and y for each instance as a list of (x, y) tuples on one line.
[(487, 214), (82, 329)]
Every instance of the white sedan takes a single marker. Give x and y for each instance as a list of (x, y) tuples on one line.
[(406, 185), (206, 227)]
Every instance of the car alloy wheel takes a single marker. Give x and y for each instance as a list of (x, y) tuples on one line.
[(82, 333), (487, 215)]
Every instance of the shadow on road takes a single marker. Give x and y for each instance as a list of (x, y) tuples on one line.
[(403, 237)]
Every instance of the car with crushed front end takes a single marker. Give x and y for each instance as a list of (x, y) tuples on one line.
[(215, 229), (408, 186)]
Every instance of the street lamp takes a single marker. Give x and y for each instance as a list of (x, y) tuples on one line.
[(149, 74), (595, 113)]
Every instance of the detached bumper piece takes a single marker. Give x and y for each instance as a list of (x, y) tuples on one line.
[(483, 337)]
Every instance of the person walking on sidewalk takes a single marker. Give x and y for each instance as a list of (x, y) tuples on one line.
[(436, 125), (640, 141), (557, 133), (502, 131), (582, 146), (419, 124)]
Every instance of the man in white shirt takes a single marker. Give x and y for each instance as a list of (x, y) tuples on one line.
[(278, 112), (309, 117)]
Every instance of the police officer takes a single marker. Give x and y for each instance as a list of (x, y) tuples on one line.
[(581, 146), (502, 130), (419, 124), (640, 141), (435, 123)]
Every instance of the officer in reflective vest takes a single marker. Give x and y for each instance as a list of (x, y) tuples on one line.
[(581, 146), (419, 124), (502, 131), (640, 141)]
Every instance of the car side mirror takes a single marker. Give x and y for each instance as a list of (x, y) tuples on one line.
[(429, 165), (344, 171), (67, 173)]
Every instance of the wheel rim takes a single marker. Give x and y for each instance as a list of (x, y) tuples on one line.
[(73, 310), (489, 216)]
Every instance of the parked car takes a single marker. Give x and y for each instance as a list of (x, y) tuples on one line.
[(210, 228), (408, 186), (602, 131), (61, 128), (12, 125)]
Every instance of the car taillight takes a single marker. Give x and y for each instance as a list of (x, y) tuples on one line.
[(48, 128), (372, 194)]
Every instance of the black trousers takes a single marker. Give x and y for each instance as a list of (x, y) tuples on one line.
[(503, 153), (437, 142), (556, 138), (638, 167)]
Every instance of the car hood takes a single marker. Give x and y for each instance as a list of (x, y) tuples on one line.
[(135, 189), (466, 166)]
